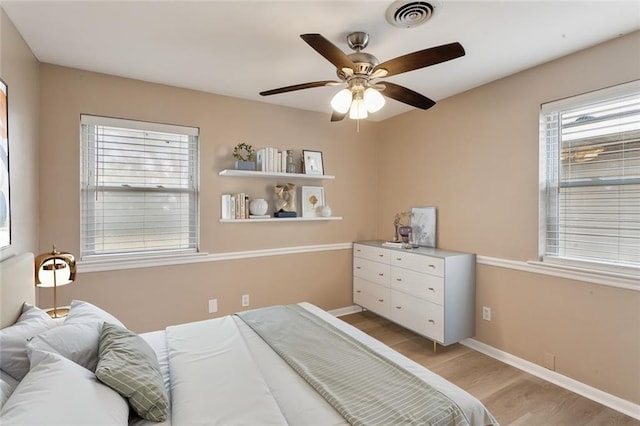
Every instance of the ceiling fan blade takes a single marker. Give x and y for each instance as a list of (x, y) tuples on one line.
[(407, 96), (338, 116), (421, 59), (328, 50), (299, 87)]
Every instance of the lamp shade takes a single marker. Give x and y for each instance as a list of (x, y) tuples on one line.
[(342, 101), (52, 270), (373, 100)]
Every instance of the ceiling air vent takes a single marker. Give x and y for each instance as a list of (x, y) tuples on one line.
[(409, 14)]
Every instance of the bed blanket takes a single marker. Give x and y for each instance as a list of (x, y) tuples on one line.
[(214, 378), (366, 388)]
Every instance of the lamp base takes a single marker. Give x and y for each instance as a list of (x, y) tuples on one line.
[(58, 312)]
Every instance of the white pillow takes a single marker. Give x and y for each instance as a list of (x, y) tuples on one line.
[(7, 385), (76, 342), (59, 392), (79, 336), (13, 340), (82, 312)]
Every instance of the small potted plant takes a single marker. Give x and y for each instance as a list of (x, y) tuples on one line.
[(244, 155)]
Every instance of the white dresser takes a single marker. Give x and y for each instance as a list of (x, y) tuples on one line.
[(427, 290)]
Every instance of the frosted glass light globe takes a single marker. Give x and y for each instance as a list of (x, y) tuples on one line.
[(342, 101), (373, 100)]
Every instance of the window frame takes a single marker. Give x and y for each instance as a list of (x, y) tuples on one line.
[(124, 260), (594, 267)]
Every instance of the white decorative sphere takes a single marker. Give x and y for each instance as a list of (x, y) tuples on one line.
[(258, 206), (326, 211)]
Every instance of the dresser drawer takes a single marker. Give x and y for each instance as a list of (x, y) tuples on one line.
[(372, 296), (424, 286), (423, 317), (418, 262), (377, 254), (378, 273)]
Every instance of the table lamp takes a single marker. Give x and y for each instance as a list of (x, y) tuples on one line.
[(52, 270)]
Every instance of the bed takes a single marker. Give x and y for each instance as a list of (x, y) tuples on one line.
[(280, 365)]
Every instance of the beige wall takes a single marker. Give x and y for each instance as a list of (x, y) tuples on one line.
[(323, 278), (19, 70), (475, 157)]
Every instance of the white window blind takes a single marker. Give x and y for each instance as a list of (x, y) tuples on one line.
[(139, 187), (590, 169)]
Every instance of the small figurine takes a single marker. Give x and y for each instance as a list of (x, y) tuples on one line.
[(285, 197)]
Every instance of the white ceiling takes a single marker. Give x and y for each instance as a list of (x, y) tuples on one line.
[(239, 48)]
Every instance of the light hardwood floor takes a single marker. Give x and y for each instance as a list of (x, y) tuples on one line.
[(511, 395)]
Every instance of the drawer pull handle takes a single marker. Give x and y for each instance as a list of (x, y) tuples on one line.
[(432, 289), (381, 255), (432, 321), (358, 250), (358, 267), (399, 279), (381, 274), (432, 266), (358, 291), (398, 258), (380, 300), (398, 307)]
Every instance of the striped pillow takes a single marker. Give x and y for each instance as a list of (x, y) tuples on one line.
[(129, 365)]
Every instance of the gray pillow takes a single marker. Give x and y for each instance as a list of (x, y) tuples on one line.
[(76, 342), (57, 391), (78, 338), (13, 340), (129, 365), (81, 312)]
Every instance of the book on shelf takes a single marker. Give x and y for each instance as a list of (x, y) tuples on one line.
[(282, 214), (396, 244), (234, 206), (271, 160)]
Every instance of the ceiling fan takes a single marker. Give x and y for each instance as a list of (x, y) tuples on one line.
[(359, 69)]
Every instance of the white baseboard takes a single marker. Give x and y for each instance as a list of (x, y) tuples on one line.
[(611, 401), (606, 399)]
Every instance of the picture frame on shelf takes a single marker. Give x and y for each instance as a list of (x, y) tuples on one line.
[(423, 226), (312, 199), (312, 162)]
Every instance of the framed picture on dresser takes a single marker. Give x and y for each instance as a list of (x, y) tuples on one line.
[(423, 225)]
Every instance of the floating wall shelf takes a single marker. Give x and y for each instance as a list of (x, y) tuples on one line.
[(251, 173)]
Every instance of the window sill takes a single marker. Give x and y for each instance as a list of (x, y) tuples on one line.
[(115, 263), (624, 281)]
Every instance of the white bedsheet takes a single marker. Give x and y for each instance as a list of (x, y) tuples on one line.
[(289, 399)]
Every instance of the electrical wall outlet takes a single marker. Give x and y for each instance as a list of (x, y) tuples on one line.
[(245, 300), (213, 306), (486, 313)]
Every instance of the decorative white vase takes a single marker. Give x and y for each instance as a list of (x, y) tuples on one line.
[(326, 211), (258, 206)]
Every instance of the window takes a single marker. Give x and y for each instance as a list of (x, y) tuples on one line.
[(139, 188), (590, 178)]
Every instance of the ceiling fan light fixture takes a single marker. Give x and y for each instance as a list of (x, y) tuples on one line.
[(373, 100), (358, 109), (342, 101)]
